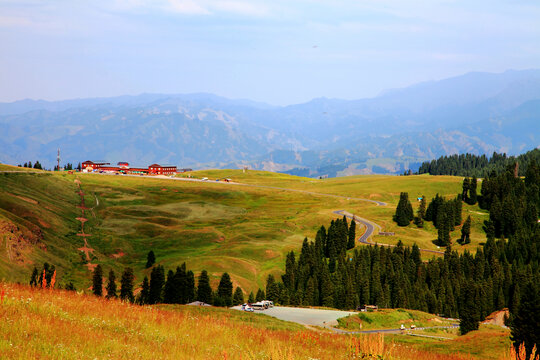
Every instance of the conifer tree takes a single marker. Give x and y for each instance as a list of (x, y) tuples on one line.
[(97, 281), (525, 323), (34, 277), (157, 282), (466, 231), (150, 259), (352, 235), (251, 298), (204, 291), (170, 292), (421, 213), (473, 197), (145, 291), (404, 212), (111, 285), (126, 285), (469, 314), (466, 187), (225, 289), (238, 297), (190, 287), (260, 295)]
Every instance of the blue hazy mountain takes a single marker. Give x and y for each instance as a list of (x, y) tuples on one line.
[(475, 112)]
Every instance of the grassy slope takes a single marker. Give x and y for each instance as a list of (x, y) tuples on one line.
[(215, 226), (376, 187), (56, 324), (391, 319)]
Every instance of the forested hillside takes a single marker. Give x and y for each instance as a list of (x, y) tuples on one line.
[(503, 273), (478, 165)]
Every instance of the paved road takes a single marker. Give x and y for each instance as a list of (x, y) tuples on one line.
[(325, 318), (304, 316), (370, 228)]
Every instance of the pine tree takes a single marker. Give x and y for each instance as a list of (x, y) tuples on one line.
[(404, 212), (145, 291), (352, 235), (421, 214), (111, 285), (190, 287), (466, 231), (170, 291), (260, 295), (126, 285), (97, 281), (225, 289), (469, 314), (157, 282), (34, 277), (204, 291), (150, 259), (272, 290), (251, 298), (466, 187), (238, 297), (473, 197), (525, 325)]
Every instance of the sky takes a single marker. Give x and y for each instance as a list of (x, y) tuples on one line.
[(280, 52)]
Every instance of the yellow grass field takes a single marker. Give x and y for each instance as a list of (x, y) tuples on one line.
[(53, 324)]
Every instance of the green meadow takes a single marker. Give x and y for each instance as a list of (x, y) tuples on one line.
[(217, 226)]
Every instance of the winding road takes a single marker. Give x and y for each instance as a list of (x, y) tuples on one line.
[(370, 229)]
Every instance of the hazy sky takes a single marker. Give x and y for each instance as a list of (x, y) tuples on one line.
[(278, 51)]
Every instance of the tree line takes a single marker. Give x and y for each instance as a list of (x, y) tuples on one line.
[(37, 165), (477, 165)]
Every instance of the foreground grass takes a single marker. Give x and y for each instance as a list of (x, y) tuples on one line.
[(52, 324)]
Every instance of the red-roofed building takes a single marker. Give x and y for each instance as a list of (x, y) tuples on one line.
[(93, 165), (156, 169)]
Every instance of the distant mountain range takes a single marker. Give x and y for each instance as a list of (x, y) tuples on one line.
[(397, 130)]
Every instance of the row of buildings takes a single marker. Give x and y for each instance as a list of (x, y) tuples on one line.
[(125, 168)]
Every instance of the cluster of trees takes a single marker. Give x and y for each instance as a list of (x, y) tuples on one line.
[(513, 203), (37, 165), (175, 287), (469, 193), (477, 165), (445, 215), (46, 278)]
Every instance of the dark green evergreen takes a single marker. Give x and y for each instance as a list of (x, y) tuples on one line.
[(97, 281), (126, 285), (144, 295), (525, 324), (225, 289), (150, 259), (404, 212), (204, 291), (111, 285), (238, 297), (157, 282)]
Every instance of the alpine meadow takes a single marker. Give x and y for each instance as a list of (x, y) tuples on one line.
[(270, 180)]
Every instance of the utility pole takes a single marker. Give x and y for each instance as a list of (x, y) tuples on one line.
[(58, 159)]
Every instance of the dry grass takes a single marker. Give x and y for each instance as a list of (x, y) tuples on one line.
[(53, 324)]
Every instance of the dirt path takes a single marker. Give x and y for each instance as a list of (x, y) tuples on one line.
[(86, 249)]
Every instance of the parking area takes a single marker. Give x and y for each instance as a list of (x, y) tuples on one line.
[(314, 317)]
